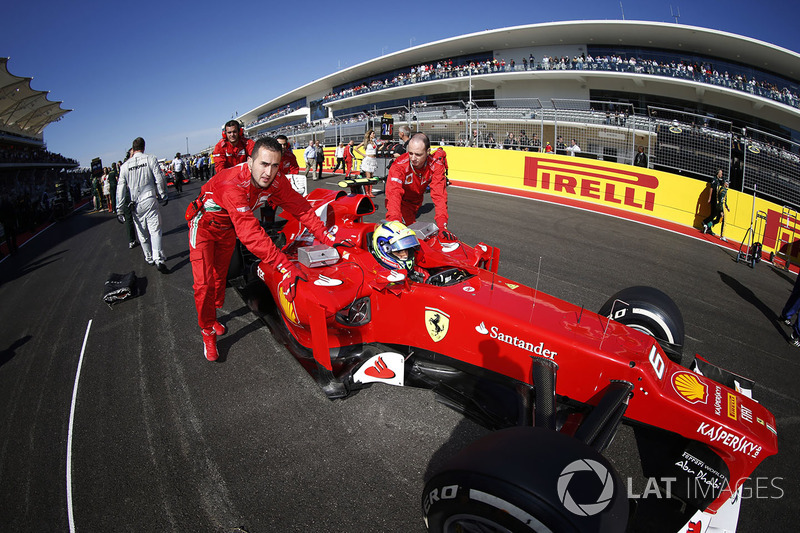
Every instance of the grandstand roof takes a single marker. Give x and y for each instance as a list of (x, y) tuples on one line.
[(659, 35), (23, 110)]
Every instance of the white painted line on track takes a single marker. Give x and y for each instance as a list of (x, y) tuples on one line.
[(69, 431)]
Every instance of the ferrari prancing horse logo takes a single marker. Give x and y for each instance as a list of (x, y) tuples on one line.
[(437, 323)]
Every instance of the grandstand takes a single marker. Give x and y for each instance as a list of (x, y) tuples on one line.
[(35, 184), (697, 99)]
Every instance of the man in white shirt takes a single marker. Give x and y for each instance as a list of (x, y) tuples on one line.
[(339, 154), (310, 155), (573, 147), (177, 172)]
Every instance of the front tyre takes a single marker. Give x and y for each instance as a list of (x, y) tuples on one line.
[(526, 479), (652, 312)]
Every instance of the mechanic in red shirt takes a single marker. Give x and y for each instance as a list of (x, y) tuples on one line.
[(288, 160), (233, 148), (411, 174), (225, 210)]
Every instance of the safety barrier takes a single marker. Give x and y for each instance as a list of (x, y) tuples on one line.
[(638, 193)]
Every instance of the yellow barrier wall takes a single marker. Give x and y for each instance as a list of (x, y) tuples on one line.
[(330, 158), (638, 190)]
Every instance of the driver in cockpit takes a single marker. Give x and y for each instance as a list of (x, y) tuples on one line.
[(394, 246)]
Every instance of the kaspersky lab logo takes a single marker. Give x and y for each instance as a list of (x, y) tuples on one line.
[(590, 508)]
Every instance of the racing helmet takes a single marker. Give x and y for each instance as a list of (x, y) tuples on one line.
[(390, 238)]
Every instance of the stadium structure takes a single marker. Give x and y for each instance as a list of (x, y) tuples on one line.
[(35, 183), (696, 99), (24, 111)]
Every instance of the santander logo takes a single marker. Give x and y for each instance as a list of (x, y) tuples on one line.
[(495, 333)]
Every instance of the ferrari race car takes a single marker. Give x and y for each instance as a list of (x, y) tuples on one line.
[(169, 177), (554, 379)]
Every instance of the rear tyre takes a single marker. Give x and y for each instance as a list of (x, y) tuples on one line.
[(526, 479), (650, 311)]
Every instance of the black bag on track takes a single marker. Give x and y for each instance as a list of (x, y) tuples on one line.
[(119, 287)]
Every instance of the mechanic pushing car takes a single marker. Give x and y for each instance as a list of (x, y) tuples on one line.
[(411, 174), (224, 210)]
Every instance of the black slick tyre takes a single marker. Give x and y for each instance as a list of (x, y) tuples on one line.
[(526, 479), (650, 311)]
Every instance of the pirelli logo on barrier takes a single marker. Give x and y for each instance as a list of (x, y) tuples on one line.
[(584, 181)]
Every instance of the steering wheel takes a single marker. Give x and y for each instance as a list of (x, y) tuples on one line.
[(447, 277)]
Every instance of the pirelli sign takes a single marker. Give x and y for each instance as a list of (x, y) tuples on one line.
[(632, 189)]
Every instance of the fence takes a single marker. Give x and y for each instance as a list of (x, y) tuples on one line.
[(676, 141), (601, 130), (770, 164), (685, 142), (496, 123)]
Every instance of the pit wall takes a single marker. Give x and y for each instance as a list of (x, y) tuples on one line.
[(656, 197)]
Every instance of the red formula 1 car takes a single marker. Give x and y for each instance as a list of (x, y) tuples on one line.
[(555, 380)]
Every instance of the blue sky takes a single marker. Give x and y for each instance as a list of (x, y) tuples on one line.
[(169, 71)]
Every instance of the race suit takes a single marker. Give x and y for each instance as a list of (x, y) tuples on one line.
[(229, 202), (227, 155), (405, 189), (142, 176)]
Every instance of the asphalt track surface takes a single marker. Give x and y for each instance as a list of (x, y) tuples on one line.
[(165, 441)]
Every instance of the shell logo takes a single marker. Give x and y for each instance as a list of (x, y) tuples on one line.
[(288, 308), (689, 387)]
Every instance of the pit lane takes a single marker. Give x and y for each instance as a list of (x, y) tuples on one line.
[(164, 440)]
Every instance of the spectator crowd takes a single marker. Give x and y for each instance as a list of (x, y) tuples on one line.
[(699, 72), (22, 154)]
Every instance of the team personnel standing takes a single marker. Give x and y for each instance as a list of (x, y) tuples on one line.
[(713, 202), (641, 158), (141, 177), (130, 230), (291, 170), (233, 148), (790, 310), (310, 155), (411, 174), (401, 147), (339, 155), (404, 133), (177, 172), (224, 211), (289, 164), (200, 167), (211, 168), (348, 159), (320, 152)]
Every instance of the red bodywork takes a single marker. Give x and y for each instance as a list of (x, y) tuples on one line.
[(496, 324)]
